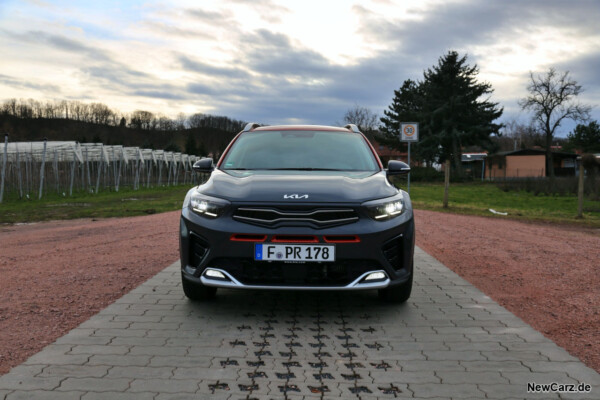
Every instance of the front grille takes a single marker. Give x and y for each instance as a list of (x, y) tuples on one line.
[(198, 250), (295, 216), (393, 252), (276, 273)]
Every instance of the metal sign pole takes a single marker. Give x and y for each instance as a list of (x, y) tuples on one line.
[(408, 177), (409, 132)]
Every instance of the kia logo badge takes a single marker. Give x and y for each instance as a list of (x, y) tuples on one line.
[(295, 196)]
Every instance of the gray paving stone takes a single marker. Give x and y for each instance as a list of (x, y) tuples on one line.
[(206, 373), (94, 384), (99, 349), (80, 371), (474, 377), (15, 382), (179, 361), (406, 377), (164, 385), (27, 371), (158, 350), (499, 366), (119, 360), (459, 391), (119, 396), (446, 355), (43, 395), (431, 366), (131, 371), (186, 396), (138, 341), (85, 340)]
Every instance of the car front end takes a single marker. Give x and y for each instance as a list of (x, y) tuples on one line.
[(276, 226)]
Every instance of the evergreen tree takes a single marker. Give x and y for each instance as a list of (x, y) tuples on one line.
[(585, 137), (452, 115), (190, 145), (447, 107)]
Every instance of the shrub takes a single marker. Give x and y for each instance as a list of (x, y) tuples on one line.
[(562, 186), (426, 174)]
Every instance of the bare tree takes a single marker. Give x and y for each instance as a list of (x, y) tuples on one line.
[(196, 120), (552, 100), (141, 119), (180, 121), (364, 118)]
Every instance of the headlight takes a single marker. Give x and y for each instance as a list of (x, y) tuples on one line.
[(384, 210), (208, 207)]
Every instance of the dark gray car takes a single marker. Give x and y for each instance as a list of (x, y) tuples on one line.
[(299, 208)]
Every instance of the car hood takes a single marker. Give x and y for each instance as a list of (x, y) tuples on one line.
[(296, 187)]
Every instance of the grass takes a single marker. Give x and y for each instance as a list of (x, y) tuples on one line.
[(478, 198), (124, 203)]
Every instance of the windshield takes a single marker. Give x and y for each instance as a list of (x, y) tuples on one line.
[(300, 150)]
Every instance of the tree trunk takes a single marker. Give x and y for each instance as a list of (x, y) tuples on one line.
[(456, 158), (446, 182)]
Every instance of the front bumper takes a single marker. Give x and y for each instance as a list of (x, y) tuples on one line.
[(383, 246)]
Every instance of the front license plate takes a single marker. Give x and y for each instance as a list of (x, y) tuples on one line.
[(293, 252)]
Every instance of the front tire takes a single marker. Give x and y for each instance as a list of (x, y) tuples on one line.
[(197, 291), (397, 294)]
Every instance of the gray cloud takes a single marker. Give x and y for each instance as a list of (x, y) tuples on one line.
[(58, 42), (267, 9), (210, 17), (206, 69), (173, 30), (19, 84), (170, 95)]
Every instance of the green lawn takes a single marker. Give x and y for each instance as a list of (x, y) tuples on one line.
[(478, 198), (124, 203)]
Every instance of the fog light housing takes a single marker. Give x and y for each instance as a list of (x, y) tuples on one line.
[(215, 274), (375, 276)]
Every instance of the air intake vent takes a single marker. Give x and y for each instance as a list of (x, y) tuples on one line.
[(393, 252), (198, 250)]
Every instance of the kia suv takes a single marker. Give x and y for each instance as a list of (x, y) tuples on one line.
[(298, 208)]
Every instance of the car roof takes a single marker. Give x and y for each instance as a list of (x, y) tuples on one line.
[(301, 128)]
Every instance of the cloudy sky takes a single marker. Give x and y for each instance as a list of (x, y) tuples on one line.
[(284, 61)]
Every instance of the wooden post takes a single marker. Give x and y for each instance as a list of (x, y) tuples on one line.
[(446, 182), (580, 190)]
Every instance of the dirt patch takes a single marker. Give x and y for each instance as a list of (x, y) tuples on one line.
[(547, 275), (57, 274)]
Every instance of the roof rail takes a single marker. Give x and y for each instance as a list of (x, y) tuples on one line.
[(250, 125), (353, 128)]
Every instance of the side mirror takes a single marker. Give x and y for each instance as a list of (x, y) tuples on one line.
[(397, 168), (204, 166)]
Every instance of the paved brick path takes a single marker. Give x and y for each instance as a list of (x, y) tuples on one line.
[(448, 341)]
